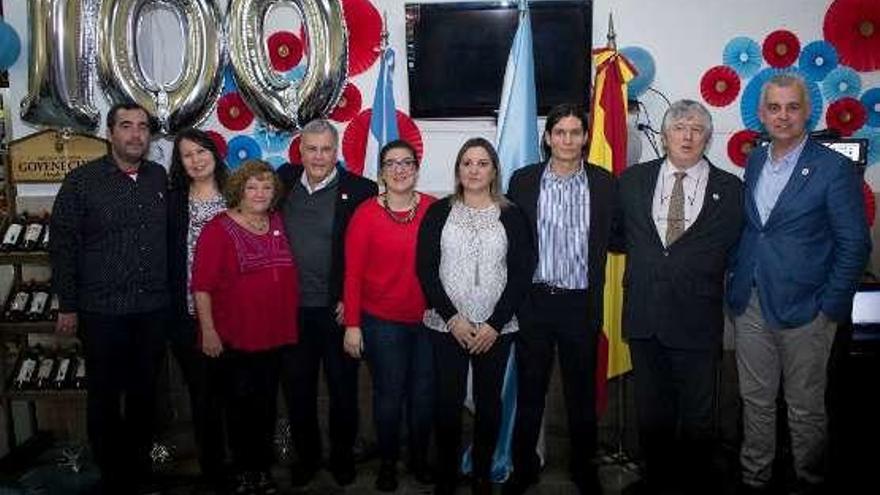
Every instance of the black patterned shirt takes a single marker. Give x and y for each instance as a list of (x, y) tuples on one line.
[(108, 246)]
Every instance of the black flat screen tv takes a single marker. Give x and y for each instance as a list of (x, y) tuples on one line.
[(457, 54)]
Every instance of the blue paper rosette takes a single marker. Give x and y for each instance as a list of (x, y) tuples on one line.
[(840, 83), (743, 55), (276, 160), (751, 97), (817, 60), (270, 140), (241, 149), (645, 66), (229, 84), (873, 137), (871, 101), (295, 74)]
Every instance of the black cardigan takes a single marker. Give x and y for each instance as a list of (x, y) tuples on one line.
[(520, 262)]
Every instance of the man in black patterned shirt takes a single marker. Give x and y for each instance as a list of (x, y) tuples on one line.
[(108, 256)]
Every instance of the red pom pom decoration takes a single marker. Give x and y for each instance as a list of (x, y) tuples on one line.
[(219, 142), (354, 142), (293, 154), (740, 145), (719, 86), (233, 113), (364, 34), (349, 104), (285, 50), (846, 115), (781, 48), (853, 27)]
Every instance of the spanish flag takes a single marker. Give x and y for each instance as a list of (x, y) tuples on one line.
[(607, 149)]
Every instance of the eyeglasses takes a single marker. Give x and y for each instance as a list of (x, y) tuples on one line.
[(403, 164)]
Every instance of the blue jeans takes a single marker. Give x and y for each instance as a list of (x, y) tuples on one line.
[(401, 362)]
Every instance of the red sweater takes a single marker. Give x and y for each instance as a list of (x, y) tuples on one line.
[(252, 282), (380, 265)]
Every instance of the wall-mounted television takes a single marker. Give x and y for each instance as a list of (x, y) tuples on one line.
[(457, 53)]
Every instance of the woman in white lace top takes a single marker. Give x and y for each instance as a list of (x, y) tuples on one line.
[(474, 261)]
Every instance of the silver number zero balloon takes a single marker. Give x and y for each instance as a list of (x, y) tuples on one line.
[(60, 69), (279, 102), (187, 99)]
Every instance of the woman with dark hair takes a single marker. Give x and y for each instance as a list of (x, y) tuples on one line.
[(474, 261), (197, 176), (246, 295), (384, 307)]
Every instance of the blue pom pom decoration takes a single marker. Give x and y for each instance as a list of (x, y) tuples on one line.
[(840, 83), (871, 101), (241, 149), (743, 55), (817, 60), (10, 45), (644, 64)]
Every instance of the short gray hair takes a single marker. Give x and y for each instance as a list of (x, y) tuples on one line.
[(787, 80), (681, 110), (320, 126)]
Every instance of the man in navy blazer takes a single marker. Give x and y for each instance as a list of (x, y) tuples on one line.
[(802, 251), (678, 219)]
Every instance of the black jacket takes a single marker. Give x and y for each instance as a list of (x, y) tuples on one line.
[(351, 192), (520, 262), (675, 292), (524, 189)]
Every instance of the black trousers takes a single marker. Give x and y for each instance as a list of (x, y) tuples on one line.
[(122, 353), (674, 391), (201, 374), (451, 370), (251, 383), (320, 339), (549, 321)]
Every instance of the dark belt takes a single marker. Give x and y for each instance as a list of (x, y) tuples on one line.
[(555, 291)]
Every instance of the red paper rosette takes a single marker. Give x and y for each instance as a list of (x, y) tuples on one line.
[(719, 86), (219, 142), (781, 48), (354, 142), (293, 153), (853, 27), (870, 204), (740, 145), (846, 115), (349, 104), (233, 113), (285, 50), (364, 34)]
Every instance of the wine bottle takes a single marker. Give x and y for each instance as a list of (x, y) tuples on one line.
[(13, 235), (45, 369), (18, 304), (44, 243), (24, 373), (39, 304), (33, 234), (54, 306), (79, 376), (65, 369)]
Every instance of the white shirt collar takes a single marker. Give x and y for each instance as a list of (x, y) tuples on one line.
[(304, 180), (669, 170)]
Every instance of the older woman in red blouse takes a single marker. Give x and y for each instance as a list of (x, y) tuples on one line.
[(245, 287)]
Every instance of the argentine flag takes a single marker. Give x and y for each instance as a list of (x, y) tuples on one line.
[(383, 121)]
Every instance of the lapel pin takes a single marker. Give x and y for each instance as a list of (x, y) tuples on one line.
[(805, 172), (276, 233), (344, 196), (716, 196)]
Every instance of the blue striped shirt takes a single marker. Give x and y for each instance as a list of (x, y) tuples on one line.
[(774, 176), (563, 228)]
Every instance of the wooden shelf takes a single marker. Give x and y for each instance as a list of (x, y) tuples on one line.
[(24, 258), (63, 394), (26, 327)]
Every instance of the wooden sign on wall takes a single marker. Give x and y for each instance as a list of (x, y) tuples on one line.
[(49, 155)]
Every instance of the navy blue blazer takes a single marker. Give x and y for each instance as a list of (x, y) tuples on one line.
[(812, 251)]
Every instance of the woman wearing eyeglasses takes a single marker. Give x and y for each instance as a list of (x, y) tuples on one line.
[(475, 261), (384, 307)]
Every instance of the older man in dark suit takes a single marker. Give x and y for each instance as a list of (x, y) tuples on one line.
[(678, 218)]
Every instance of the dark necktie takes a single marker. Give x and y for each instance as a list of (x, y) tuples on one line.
[(675, 216)]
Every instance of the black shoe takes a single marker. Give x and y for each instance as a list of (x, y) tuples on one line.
[(264, 484), (517, 485), (387, 479), (244, 484), (481, 486), (302, 474), (343, 473)]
